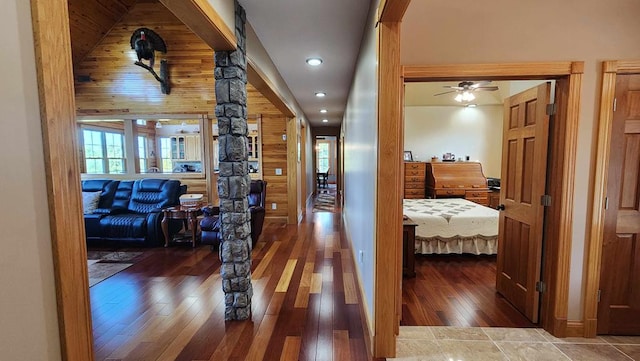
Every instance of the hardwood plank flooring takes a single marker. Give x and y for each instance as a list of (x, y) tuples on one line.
[(456, 290), (170, 304)]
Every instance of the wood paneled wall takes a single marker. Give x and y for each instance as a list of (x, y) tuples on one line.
[(274, 156), (117, 86)]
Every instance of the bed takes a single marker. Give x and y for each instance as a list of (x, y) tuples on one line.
[(453, 225)]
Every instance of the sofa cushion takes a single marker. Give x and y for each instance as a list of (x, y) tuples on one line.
[(106, 186), (128, 226), (90, 201), (151, 195), (122, 195)]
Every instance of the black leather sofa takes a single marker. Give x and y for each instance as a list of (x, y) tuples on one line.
[(210, 223), (131, 211)]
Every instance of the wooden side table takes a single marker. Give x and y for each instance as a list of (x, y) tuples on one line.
[(408, 248), (189, 214)]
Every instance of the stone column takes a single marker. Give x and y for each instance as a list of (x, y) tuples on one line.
[(234, 180)]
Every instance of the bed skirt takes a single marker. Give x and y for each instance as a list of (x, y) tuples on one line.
[(473, 245)]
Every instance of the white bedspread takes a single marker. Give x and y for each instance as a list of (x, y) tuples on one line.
[(453, 225)]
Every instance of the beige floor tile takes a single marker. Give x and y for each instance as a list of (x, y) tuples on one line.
[(632, 351), (629, 340), (591, 352), (531, 351), (514, 334), (416, 332), (459, 333), (554, 339), (423, 349), (471, 350)]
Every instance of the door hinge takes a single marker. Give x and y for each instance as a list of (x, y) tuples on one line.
[(606, 203), (615, 104), (541, 287), (551, 109), (599, 295), (545, 200)]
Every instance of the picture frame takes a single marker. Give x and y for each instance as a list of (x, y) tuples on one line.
[(408, 157)]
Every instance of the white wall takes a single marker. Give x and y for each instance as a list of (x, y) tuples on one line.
[(360, 131), (227, 11), (28, 316), (529, 31), (476, 132)]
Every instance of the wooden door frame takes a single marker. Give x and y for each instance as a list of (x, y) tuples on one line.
[(50, 22), (563, 142), (610, 70)]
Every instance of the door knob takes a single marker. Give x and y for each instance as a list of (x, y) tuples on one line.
[(500, 207)]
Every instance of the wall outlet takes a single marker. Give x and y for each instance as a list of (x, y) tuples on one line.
[(274, 206), (278, 171), (361, 256), (284, 137)]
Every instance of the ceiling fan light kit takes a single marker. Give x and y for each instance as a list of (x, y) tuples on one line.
[(465, 89)]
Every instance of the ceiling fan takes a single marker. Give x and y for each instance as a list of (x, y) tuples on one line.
[(465, 89)]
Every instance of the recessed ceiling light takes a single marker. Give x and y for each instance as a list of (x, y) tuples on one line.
[(325, 120), (323, 111), (314, 61), (321, 94)]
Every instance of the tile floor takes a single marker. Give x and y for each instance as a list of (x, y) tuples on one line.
[(418, 343)]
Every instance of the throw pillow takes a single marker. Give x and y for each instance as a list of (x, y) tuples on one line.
[(90, 201)]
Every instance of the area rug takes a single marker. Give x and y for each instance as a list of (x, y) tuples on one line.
[(324, 202), (104, 264)]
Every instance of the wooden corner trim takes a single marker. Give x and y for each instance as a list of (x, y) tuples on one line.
[(57, 112), (577, 67), (621, 66)]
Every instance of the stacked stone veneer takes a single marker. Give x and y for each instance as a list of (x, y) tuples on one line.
[(234, 180)]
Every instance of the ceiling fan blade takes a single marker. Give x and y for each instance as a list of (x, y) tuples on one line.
[(486, 88), (453, 87), (451, 91)]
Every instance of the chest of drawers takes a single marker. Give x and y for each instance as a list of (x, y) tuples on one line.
[(414, 180)]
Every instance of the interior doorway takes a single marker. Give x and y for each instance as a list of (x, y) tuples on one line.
[(563, 139), (464, 284)]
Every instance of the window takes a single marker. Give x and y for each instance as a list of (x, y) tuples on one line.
[(104, 152), (323, 156), (142, 153), (165, 154)]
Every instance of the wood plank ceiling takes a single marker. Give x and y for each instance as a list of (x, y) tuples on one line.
[(100, 32), (91, 20)]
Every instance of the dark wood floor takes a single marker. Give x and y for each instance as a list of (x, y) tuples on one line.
[(169, 305), (456, 290)]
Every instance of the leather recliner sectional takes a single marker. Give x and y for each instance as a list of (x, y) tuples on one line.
[(210, 224), (131, 211)]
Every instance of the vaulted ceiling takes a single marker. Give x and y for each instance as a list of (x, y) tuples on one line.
[(91, 20), (107, 81)]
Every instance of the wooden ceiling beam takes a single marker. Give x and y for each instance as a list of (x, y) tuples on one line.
[(204, 21), (264, 85)]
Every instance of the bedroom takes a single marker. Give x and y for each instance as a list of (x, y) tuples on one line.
[(442, 130)]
